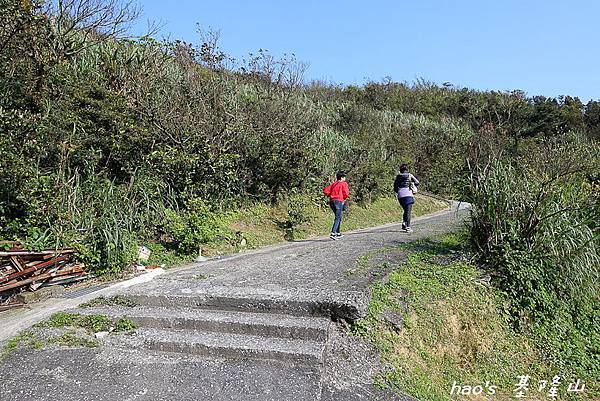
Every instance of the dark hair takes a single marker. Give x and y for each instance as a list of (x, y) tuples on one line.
[(404, 168), (340, 174)]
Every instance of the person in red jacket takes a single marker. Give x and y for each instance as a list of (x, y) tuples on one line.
[(337, 192)]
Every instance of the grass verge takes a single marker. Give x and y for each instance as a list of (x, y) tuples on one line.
[(454, 331), (297, 217)]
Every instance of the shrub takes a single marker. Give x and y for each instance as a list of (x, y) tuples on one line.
[(192, 226)]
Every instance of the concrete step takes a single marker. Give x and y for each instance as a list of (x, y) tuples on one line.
[(348, 305), (236, 322), (233, 346), (232, 303)]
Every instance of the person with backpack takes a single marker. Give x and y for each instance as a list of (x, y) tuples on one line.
[(338, 191), (405, 187)]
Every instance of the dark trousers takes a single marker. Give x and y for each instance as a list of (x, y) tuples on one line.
[(406, 203), (338, 209)]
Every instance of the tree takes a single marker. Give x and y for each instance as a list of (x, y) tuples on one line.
[(571, 113), (591, 119), (545, 119), (79, 24)]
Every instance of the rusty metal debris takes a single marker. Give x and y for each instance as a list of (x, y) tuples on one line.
[(22, 269)]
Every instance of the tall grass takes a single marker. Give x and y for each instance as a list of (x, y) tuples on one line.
[(103, 219), (537, 233)]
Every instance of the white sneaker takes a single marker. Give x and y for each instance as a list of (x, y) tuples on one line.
[(332, 236)]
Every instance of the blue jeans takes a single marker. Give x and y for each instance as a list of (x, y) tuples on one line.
[(406, 202), (338, 209)]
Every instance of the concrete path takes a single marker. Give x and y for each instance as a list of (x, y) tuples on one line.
[(262, 325)]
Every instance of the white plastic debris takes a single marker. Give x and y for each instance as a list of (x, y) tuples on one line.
[(144, 253)]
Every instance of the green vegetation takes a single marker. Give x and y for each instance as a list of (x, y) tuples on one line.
[(26, 339), (33, 339), (109, 143), (106, 143), (92, 323), (117, 300), (71, 339), (75, 330), (538, 236), (456, 329), (264, 225), (124, 324)]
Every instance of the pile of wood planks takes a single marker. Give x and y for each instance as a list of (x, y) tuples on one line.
[(21, 269)]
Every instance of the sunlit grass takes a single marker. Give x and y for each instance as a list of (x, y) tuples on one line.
[(263, 225), (455, 330)]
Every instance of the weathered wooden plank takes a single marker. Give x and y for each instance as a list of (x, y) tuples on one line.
[(16, 262), (34, 268), (39, 277)]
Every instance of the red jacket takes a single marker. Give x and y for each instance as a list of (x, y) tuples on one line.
[(337, 190)]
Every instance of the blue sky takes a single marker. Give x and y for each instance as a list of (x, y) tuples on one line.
[(546, 47)]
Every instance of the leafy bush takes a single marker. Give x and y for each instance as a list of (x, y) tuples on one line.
[(124, 324), (193, 226)]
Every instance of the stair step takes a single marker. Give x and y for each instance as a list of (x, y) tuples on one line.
[(348, 305), (300, 308), (236, 322), (235, 346)]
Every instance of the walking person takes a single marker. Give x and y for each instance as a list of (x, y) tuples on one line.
[(338, 191), (405, 186)]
